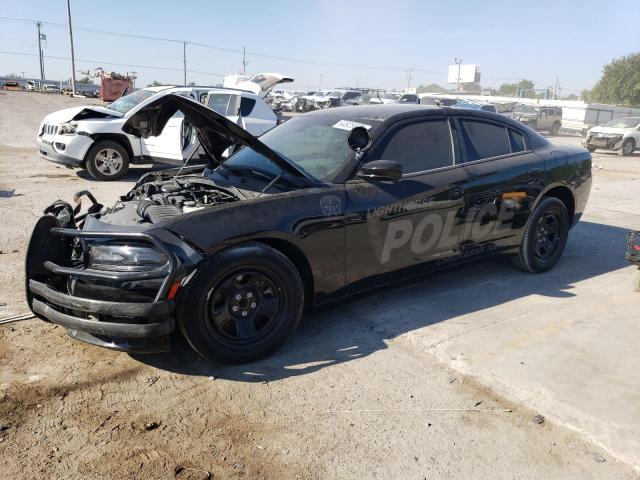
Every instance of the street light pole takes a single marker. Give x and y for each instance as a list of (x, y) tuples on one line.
[(73, 59)]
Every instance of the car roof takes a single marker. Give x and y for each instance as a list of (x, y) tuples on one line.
[(394, 112)]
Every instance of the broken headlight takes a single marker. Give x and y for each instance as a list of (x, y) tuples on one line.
[(120, 257), (68, 128)]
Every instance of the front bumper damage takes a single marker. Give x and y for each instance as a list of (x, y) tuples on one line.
[(121, 310), (608, 142)]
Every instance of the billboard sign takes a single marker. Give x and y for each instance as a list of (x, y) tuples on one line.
[(468, 74)]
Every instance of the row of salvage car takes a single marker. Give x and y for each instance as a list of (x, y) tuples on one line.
[(91, 137)]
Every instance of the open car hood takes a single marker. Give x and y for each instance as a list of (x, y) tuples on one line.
[(262, 83), (215, 132), (81, 113)]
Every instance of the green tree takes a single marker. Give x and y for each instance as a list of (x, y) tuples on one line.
[(585, 95), (155, 83), (431, 88), (620, 82), (511, 89)]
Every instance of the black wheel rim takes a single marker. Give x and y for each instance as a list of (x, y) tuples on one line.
[(627, 148), (244, 306), (547, 236)]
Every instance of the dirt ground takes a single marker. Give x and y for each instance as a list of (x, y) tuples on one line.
[(352, 395)]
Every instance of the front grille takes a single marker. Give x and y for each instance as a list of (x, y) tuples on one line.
[(49, 129)]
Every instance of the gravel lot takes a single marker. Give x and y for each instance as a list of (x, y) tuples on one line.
[(438, 379)]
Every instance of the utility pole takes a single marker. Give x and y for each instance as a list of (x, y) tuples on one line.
[(245, 62), (517, 88), (555, 89), (320, 83), (458, 61), (133, 76), (184, 61), (73, 59), (41, 36), (409, 77)]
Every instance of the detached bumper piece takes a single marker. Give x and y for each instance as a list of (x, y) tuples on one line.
[(134, 326)]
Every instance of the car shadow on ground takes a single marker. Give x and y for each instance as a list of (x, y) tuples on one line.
[(363, 325)]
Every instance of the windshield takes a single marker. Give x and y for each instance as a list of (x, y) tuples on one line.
[(390, 96), (525, 109), (628, 122), (316, 144), (335, 94), (126, 103)]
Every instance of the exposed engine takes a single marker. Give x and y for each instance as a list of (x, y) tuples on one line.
[(161, 200)]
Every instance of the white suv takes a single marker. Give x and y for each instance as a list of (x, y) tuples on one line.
[(621, 134), (91, 137)]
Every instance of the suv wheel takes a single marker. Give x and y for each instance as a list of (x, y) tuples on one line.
[(107, 160), (545, 237), (628, 146), (591, 149), (555, 128), (242, 305)]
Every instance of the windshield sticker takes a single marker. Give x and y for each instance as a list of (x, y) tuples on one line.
[(349, 125)]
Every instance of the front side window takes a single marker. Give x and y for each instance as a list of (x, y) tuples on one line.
[(420, 146), (484, 140)]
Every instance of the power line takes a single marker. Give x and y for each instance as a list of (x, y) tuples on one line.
[(226, 49), (177, 69)]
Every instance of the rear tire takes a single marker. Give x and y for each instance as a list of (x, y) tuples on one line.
[(628, 146), (591, 149), (555, 128), (545, 237), (242, 304), (107, 160)]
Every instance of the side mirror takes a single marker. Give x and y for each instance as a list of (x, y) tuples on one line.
[(380, 170)]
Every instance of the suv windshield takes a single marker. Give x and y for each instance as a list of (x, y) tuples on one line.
[(525, 109), (126, 103), (628, 122), (316, 144)]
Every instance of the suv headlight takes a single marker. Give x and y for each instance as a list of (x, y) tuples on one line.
[(69, 128), (117, 257)]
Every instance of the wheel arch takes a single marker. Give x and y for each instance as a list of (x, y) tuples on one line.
[(299, 260), (565, 195), (119, 138)]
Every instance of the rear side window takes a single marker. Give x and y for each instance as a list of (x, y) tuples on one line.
[(420, 146), (246, 106), (517, 141), (484, 140)]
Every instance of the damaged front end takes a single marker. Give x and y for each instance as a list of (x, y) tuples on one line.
[(110, 285)]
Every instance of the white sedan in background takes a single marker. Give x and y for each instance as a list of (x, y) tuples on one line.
[(91, 137)]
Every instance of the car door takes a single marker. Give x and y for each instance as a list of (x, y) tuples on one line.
[(505, 178), (391, 225), (178, 140)]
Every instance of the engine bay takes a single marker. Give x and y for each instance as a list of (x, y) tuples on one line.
[(156, 201)]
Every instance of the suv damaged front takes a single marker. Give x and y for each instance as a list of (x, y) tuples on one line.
[(110, 275)]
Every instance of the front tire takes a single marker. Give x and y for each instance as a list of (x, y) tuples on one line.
[(107, 160), (628, 146), (545, 237), (241, 305), (591, 149)]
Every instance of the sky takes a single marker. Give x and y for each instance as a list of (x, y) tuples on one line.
[(326, 43)]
